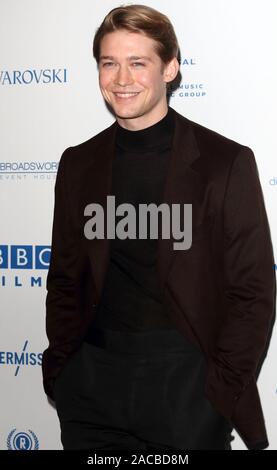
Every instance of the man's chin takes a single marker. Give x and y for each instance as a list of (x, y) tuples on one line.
[(126, 114)]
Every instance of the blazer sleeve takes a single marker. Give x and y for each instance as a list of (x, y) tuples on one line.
[(62, 314), (249, 294)]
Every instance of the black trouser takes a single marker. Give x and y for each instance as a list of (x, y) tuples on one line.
[(138, 391)]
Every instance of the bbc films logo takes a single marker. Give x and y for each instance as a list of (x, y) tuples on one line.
[(22, 440), (23, 259), (24, 256)]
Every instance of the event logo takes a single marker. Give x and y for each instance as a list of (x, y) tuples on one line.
[(17, 170), (189, 90), (24, 258), (22, 440), (192, 88), (33, 76), (21, 358), (188, 61)]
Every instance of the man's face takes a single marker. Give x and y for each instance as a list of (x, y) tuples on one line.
[(132, 78)]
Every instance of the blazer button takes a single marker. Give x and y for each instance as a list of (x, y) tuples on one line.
[(94, 305)]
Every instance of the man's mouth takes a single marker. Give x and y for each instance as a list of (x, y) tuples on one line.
[(126, 95)]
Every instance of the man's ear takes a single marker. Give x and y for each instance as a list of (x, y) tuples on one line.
[(170, 70)]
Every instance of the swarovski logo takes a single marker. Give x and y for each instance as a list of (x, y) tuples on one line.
[(28, 76)]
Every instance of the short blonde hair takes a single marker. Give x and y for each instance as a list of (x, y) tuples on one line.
[(140, 19)]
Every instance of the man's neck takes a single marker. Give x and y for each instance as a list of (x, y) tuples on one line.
[(142, 122)]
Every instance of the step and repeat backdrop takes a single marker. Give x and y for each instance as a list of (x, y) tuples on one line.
[(50, 100)]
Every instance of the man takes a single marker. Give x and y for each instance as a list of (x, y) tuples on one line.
[(152, 347)]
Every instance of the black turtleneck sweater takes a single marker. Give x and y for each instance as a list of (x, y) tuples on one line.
[(131, 298)]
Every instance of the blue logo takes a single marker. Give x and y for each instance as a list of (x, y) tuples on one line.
[(19, 170), (22, 440), (188, 61), (190, 90), (25, 256), (22, 358), (33, 76)]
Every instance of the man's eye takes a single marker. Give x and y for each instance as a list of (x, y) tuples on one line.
[(109, 64)]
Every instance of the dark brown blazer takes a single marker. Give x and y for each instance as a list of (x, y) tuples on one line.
[(221, 292)]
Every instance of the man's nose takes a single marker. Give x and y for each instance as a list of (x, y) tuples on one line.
[(123, 76)]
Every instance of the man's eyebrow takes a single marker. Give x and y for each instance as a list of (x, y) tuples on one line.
[(133, 57)]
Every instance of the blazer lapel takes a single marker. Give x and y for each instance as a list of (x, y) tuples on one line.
[(181, 187), (97, 186)]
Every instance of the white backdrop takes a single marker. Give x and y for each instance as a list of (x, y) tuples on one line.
[(50, 100)]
